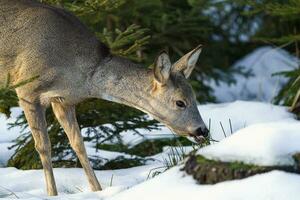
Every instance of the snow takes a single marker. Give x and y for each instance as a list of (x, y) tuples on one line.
[(131, 139), (262, 86), (173, 184), (5, 153), (271, 143), (241, 114), (176, 185), (30, 184), (7, 136), (106, 155)]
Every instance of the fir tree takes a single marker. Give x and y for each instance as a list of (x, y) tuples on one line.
[(280, 27)]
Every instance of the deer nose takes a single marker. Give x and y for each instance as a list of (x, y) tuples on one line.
[(202, 132)]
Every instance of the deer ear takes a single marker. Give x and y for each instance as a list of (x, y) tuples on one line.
[(162, 68), (187, 63)]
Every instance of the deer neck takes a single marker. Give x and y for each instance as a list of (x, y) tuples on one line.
[(119, 80)]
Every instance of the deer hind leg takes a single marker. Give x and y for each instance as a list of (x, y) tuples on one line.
[(35, 115), (67, 118)]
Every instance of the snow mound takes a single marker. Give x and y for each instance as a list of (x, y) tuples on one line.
[(271, 143), (262, 86), (175, 185), (225, 119)]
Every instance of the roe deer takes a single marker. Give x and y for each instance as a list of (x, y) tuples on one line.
[(72, 65)]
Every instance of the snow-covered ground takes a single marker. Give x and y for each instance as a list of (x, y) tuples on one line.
[(175, 185), (259, 133), (262, 85)]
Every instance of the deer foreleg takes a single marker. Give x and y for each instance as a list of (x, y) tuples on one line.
[(67, 118)]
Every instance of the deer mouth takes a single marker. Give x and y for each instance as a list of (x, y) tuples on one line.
[(197, 138)]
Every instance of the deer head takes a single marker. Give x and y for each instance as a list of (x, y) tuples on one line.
[(164, 92), (172, 96)]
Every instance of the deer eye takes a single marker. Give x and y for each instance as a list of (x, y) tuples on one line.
[(180, 104)]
